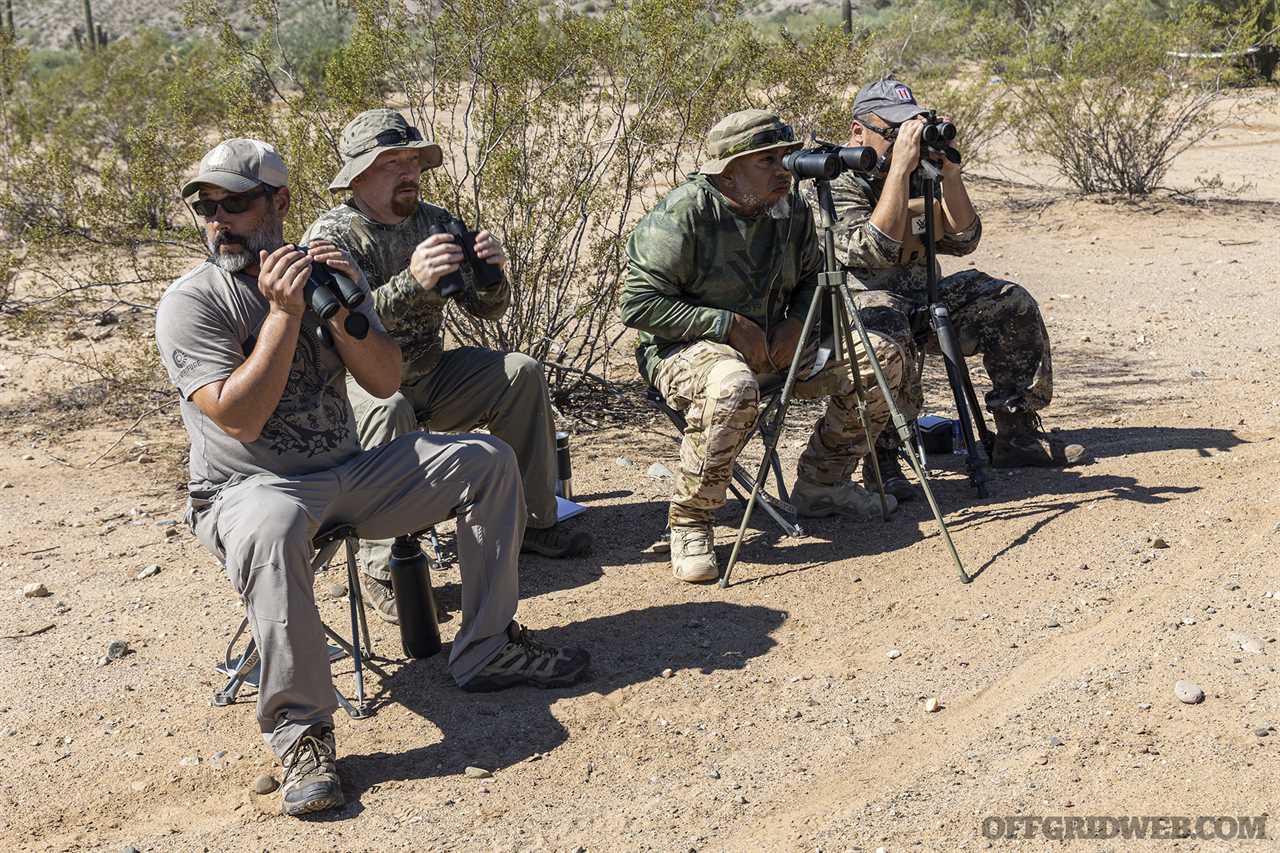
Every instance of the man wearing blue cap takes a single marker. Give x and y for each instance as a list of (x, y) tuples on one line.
[(878, 244)]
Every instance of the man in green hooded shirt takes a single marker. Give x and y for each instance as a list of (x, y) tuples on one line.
[(721, 275)]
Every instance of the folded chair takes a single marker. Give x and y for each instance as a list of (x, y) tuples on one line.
[(243, 668)]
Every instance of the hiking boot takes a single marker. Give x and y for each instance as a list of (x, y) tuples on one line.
[(693, 555), (311, 773), (382, 595), (814, 501), (556, 542), (895, 482), (1021, 441), (523, 660)]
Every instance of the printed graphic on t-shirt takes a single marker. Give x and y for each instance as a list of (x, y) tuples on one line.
[(311, 418)]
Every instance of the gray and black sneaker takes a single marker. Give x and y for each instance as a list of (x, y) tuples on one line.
[(556, 542), (311, 773), (523, 660), (382, 595)]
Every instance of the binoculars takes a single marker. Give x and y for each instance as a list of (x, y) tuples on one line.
[(326, 291), (829, 161), (486, 275)]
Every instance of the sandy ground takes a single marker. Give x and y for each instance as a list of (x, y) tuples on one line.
[(784, 724)]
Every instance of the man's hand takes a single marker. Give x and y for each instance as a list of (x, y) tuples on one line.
[(325, 252), (906, 147), (434, 258), (783, 342), (281, 278), (748, 338), (489, 249)]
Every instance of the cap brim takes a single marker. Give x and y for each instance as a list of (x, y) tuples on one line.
[(429, 155), (898, 113), (229, 181), (716, 167)]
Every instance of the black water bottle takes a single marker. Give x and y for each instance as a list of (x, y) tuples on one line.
[(419, 629)]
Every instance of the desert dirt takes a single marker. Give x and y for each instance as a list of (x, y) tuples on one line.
[(784, 723)]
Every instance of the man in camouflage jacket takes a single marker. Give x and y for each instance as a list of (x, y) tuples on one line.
[(875, 243), (722, 272), (391, 236)]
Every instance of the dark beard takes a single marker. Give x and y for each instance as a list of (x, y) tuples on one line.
[(404, 207), (266, 237)]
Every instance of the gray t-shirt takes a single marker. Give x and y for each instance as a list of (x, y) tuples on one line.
[(206, 326)]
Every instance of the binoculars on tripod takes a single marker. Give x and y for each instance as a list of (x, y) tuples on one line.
[(326, 291), (486, 275)]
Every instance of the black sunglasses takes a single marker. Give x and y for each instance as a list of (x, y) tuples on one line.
[(207, 207), (391, 137)]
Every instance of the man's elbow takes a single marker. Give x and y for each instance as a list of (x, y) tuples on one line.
[(244, 434)]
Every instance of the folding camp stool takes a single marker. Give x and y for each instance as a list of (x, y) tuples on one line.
[(242, 668), (767, 426)]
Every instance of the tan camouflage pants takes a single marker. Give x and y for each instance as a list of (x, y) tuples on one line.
[(719, 396)]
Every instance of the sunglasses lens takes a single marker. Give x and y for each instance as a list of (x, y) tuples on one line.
[(205, 208), (237, 203)]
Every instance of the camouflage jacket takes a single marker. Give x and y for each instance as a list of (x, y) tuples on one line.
[(866, 252), (694, 263), (412, 315)]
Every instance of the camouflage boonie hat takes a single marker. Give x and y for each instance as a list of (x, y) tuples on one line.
[(237, 166), (745, 132), (373, 132), (890, 99)]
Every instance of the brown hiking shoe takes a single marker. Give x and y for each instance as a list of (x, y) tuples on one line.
[(1021, 442), (523, 660), (693, 553), (382, 595), (814, 501), (556, 542), (895, 482), (311, 773)]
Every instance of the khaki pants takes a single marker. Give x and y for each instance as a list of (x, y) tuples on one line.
[(262, 528), (470, 388), (719, 396)]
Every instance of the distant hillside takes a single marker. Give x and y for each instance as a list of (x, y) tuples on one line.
[(49, 23)]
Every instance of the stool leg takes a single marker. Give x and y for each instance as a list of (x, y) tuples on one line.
[(357, 653), (353, 583)]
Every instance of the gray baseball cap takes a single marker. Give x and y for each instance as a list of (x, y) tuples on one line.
[(238, 165), (745, 132), (890, 99), (373, 132)]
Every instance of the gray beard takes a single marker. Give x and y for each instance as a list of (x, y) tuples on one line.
[(268, 237)]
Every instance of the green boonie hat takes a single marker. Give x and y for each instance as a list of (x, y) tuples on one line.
[(373, 132), (238, 165), (745, 132)]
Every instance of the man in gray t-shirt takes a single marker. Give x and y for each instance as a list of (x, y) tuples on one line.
[(275, 459)]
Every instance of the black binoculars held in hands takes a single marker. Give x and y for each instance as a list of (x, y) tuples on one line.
[(938, 134), (829, 161), (326, 291), (486, 274)]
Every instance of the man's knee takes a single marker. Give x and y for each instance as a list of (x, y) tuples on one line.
[(732, 394), (476, 454), (381, 420), (522, 369)]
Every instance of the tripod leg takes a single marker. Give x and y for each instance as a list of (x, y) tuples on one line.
[(771, 445), (961, 389), (860, 395), (903, 431)]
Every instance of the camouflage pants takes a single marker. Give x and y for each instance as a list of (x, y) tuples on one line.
[(719, 396), (996, 318)]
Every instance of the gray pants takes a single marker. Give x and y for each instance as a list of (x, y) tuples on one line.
[(262, 528), (471, 387)]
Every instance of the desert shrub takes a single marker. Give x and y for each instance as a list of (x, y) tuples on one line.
[(1111, 102)]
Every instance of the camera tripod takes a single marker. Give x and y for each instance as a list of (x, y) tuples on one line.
[(978, 438), (832, 284)]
